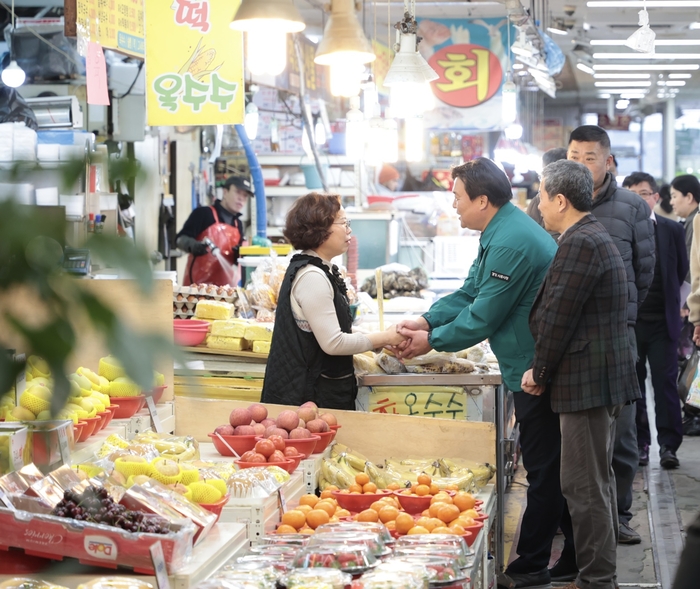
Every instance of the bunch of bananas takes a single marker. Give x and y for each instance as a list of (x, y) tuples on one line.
[(175, 448), (342, 466), (466, 475)]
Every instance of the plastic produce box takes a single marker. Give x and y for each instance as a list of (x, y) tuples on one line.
[(52, 443), (15, 447), (54, 537)]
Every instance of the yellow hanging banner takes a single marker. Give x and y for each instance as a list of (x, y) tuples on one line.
[(194, 63)]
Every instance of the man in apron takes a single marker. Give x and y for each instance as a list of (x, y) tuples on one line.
[(220, 224)]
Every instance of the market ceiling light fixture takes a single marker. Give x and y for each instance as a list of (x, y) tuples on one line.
[(266, 24), (585, 68), (646, 56), (13, 75), (680, 76), (344, 48), (624, 83), (410, 75), (643, 3), (621, 76), (647, 66), (658, 42)]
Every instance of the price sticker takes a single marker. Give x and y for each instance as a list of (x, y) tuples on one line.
[(155, 419), (159, 566), (282, 502), (63, 445)]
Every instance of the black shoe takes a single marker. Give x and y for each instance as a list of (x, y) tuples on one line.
[(643, 456), (691, 425), (668, 458), (538, 580), (563, 570), (627, 535)]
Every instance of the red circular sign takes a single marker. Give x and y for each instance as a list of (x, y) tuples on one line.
[(469, 74)]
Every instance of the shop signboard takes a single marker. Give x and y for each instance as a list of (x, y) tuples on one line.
[(426, 401), (470, 58), (114, 24), (616, 123), (381, 65), (194, 63), (316, 77)]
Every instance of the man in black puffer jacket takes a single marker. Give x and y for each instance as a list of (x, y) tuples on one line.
[(626, 217)]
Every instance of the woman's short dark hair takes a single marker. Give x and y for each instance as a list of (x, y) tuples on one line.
[(310, 219), (665, 194), (482, 176), (687, 183)]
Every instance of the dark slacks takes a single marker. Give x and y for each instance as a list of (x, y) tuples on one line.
[(540, 443), (654, 345)]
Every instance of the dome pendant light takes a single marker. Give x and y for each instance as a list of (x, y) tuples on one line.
[(345, 48), (266, 23), (410, 75), (13, 75)]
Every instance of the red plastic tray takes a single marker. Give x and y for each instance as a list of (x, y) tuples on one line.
[(55, 538)]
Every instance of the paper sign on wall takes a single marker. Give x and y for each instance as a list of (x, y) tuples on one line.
[(96, 74), (194, 63), (114, 24)]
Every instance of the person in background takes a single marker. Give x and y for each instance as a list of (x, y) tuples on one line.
[(221, 224), (685, 196), (583, 358), (691, 420), (613, 166), (494, 302), (658, 330), (549, 156), (663, 208), (312, 342), (388, 179)]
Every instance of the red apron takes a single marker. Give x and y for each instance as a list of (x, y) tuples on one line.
[(207, 268)]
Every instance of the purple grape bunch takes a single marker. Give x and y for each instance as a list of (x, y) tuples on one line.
[(95, 505)]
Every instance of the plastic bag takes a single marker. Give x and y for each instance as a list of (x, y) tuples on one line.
[(14, 109), (687, 375)]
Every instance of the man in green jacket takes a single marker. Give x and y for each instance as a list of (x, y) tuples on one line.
[(494, 303)]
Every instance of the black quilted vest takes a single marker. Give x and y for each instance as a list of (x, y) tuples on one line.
[(298, 370)]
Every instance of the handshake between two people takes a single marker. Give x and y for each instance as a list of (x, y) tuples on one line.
[(410, 338)]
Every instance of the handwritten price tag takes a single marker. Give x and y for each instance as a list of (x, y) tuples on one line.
[(159, 566)]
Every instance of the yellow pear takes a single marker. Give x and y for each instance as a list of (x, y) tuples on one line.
[(20, 414), (44, 415)]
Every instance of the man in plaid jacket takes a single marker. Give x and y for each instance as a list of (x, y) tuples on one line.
[(583, 357)]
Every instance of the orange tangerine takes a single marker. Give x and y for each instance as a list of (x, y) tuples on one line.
[(344, 491), (423, 521), (304, 508), (473, 513), (422, 490), (434, 489), (331, 488), (355, 488), (308, 499), (424, 479), (451, 487), (436, 523), (377, 506), (317, 517), (404, 522), (342, 513), (326, 494), (369, 488), (361, 479), (294, 518), (464, 501), (368, 515), (407, 491), (442, 530), (417, 530), (448, 513), (356, 492), (425, 513), (307, 531), (391, 526), (329, 508), (388, 513), (286, 529), (393, 486), (334, 519), (435, 508), (456, 528), (441, 498)]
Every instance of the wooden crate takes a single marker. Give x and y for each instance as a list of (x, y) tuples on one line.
[(377, 436)]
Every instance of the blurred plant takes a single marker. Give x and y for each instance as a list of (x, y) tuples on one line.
[(31, 259)]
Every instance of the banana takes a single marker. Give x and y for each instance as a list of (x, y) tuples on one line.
[(343, 465), (341, 477)]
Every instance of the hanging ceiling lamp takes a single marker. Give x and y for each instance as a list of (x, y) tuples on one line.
[(410, 75), (266, 24), (344, 48), (13, 75)]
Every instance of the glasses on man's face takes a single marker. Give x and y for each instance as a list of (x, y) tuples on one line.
[(645, 194), (346, 222)]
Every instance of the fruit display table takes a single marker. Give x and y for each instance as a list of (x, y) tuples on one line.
[(485, 393)]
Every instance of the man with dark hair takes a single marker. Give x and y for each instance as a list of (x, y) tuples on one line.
[(221, 224), (494, 302), (658, 330), (584, 362), (685, 196), (549, 156)]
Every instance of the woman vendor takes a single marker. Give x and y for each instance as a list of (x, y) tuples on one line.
[(313, 344)]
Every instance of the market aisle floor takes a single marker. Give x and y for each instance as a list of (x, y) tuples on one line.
[(664, 503)]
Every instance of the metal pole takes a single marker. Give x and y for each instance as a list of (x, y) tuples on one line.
[(500, 476), (670, 139)]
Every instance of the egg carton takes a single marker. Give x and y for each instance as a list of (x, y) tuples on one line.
[(181, 315), (182, 307)]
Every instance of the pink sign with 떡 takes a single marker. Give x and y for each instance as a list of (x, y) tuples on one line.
[(96, 74)]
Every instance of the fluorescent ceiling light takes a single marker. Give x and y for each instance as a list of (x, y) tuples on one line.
[(675, 83), (635, 84), (643, 4), (658, 42), (518, 66), (646, 56), (603, 95), (622, 76), (585, 68), (691, 67), (557, 31), (694, 26), (631, 95), (623, 90), (680, 76)]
